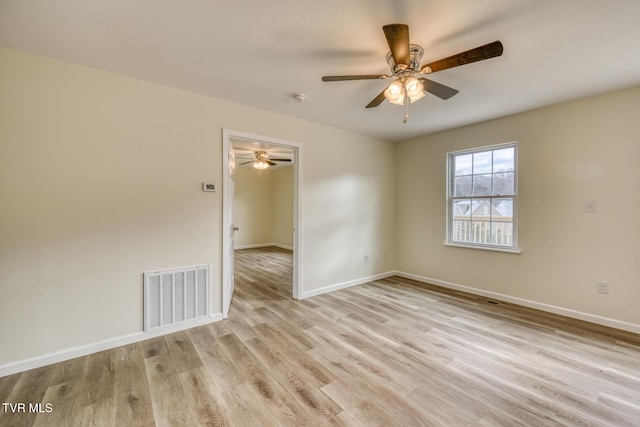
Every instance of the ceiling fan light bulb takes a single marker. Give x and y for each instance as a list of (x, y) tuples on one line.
[(395, 88), (411, 83), (395, 93), (414, 87)]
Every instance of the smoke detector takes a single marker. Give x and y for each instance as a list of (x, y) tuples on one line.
[(299, 97)]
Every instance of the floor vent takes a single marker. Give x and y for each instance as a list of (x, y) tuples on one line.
[(176, 296)]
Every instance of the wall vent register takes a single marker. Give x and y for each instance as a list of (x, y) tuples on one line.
[(176, 296)]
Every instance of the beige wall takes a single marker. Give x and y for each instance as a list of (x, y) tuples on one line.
[(100, 180), (283, 207), (263, 207), (253, 207), (568, 154)]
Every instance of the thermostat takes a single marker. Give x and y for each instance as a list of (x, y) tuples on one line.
[(208, 186)]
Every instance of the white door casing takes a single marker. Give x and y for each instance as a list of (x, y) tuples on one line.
[(229, 237), (227, 211)]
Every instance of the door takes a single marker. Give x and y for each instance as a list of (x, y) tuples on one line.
[(228, 227), (230, 282)]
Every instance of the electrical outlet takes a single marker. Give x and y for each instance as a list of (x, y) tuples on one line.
[(602, 287), (366, 258)]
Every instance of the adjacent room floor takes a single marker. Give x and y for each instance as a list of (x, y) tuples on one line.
[(391, 352)]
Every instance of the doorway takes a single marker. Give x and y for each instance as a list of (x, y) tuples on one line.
[(230, 163)]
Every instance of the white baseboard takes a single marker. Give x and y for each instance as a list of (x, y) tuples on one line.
[(263, 245), (252, 246), (348, 284), (72, 353), (278, 245), (574, 314)]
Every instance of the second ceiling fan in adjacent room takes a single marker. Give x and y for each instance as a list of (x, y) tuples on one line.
[(262, 160)]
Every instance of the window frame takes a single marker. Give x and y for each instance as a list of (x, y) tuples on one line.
[(450, 199)]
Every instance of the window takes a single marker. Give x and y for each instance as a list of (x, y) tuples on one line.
[(482, 194)]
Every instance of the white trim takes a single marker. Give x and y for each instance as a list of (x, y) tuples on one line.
[(574, 314), (278, 245), (484, 248), (72, 353), (227, 135), (253, 246), (227, 199), (348, 284), (263, 245), (484, 147)]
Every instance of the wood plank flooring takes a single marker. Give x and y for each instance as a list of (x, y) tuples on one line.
[(393, 352)]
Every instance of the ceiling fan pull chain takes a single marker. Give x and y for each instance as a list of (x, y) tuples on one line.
[(406, 111)]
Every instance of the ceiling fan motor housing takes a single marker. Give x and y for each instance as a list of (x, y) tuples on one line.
[(415, 56)]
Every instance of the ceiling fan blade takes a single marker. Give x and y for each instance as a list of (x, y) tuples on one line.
[(280, 160), (270, 163), (377, 100), (398, 40), (481, 53), (354, 77), (246, 163), (438, 89)]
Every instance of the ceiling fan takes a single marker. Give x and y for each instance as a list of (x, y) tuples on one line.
[(404, 61), (262, 161)]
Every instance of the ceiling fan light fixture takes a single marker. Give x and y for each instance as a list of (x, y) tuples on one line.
[(261, 161), (395, 93), (395, 88), (402, 88), (414, 89), (260, 164)]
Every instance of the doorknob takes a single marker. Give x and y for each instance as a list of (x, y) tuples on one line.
[(234, 228)]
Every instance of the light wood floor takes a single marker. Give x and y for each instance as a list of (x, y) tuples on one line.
[(392, 352)]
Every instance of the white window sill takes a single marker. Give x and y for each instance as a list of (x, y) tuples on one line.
[(484, 248)]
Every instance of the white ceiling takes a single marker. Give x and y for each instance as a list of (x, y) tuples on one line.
[(261, 52)]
